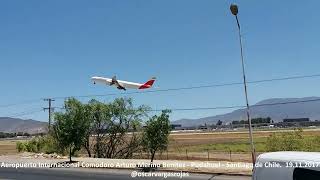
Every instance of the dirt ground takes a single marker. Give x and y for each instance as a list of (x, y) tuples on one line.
[(180, 140), (8, 147)]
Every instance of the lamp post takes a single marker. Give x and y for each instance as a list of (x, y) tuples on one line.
[(234, 11)]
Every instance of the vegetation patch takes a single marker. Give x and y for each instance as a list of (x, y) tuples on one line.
[(45, 144)]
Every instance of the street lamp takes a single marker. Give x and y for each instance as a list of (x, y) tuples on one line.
[(234, 11)]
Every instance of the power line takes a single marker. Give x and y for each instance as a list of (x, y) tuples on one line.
[(24, 113), (200, 108), (285, 78), (191, 109), (284, 103), (229, 107), (192, 87), (238, 106), (195, 108), (188, 109), (20, 103), (166, 90)]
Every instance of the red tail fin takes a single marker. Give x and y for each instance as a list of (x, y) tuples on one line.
[(148, 84)]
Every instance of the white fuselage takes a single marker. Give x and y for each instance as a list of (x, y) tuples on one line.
[(108, 81)]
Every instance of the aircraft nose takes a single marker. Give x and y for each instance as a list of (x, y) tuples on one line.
[(93, 79)]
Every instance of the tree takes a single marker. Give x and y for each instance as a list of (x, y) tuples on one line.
[(95, 118), (99, 116), (100, 128), (110, 124), (121, 118), (156, 133), (71, 127), (219, 123), (26, 134)]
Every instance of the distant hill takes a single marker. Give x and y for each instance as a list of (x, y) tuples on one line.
[(12, 125), (276, 112)]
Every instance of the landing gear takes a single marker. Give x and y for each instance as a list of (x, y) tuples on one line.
[(121, 88)]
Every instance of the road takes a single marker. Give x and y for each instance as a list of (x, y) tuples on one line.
[(68, 174)]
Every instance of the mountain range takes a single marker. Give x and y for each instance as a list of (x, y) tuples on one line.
[(15, 125), (276, 108)]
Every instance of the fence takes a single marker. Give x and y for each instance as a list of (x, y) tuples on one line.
[(208, 155)]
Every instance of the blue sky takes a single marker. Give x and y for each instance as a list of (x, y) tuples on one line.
[(52, 48)]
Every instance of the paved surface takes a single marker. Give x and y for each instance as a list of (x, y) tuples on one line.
[(79, 173), (211, 167)]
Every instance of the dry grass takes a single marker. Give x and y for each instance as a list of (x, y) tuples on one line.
[(195, 143), (231, 146), (8, 147), (190, 139)]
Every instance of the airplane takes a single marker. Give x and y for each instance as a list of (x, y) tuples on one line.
[(122, 85)]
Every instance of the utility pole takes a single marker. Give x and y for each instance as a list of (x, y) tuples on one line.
[(50, 110), (234, 11)]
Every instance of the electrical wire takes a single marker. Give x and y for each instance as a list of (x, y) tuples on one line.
[(170, 89), (191, 87), (238, 106)]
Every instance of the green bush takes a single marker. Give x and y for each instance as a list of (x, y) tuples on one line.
[(49, 145), (21, 147), (290, 141), (45, 144), (273, 143), (32, 145)]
